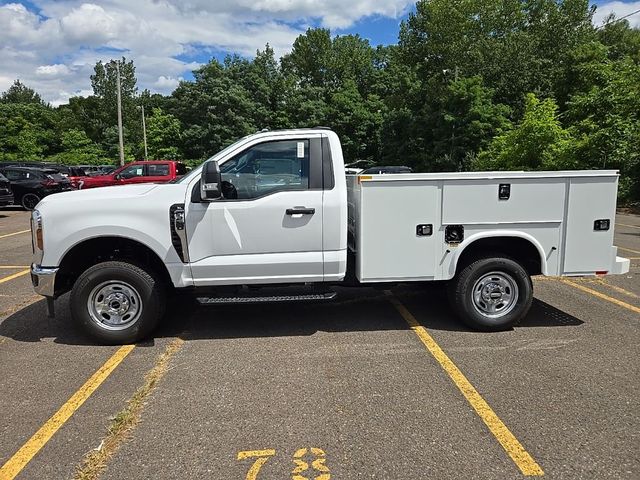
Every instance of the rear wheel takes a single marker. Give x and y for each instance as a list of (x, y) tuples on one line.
[(491, 294), (117, 302), (30, 200)]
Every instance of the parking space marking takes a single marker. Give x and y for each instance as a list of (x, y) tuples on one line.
[(595, 293), (629, 250), (627, 225), (503, 435), (14, 233), (617, 289), (12, 267), (15, 275), (22, 457)]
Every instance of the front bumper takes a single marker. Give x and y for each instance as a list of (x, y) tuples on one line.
[(43, 280)]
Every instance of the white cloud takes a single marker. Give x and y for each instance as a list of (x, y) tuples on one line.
[(54, 50), (620, 9), (165, 84), (57, 70)]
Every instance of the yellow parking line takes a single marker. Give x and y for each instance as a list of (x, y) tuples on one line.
[(15, 275), (629, 250), (23, 456), (14, 233), (507, 440), (602, 296), (627, 225), (12, 267), (618, 289)]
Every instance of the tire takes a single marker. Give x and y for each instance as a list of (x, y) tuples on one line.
[(29, 201), (117, 302), (491, 294)]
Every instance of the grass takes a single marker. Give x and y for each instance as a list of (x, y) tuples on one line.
[(95, 461)]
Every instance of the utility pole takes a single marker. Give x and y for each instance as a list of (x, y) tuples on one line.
[(119, 95), (144, 135)]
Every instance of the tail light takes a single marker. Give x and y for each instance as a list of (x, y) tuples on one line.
[(48, 182)]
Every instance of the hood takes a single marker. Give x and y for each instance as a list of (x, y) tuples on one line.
[(102, 193)]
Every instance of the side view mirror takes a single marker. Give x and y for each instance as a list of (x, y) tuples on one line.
[(210, 182)]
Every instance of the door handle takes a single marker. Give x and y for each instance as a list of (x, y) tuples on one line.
[(300, 211)]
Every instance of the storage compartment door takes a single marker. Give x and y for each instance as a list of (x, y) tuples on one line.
[(587, 250), (390, 247)]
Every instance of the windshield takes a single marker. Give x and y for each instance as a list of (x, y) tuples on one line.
[(196, 170)]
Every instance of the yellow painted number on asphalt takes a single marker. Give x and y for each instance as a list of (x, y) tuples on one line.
[(261, 457), (318, 464)]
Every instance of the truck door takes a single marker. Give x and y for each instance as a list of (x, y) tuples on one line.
[(267, 228)]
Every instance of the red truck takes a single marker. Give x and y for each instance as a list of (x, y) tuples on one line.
[(149, 171)]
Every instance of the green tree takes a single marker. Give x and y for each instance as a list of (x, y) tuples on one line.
[(603, 113), (358, 121), (310, 58), (621, 40), (28, 131), (163, 135), (515, 46), (103, 106), (78, 148), (18, 92), (539, 142)]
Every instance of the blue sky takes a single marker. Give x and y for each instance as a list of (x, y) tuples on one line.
[(52, 45)]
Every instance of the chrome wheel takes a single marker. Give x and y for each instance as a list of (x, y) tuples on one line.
[(114, 305), (495, 294)]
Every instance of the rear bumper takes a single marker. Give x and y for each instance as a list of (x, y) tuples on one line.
[(621, 265), (6, 199), (43, 280)]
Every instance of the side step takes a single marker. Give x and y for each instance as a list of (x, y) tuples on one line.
[(266, 298)]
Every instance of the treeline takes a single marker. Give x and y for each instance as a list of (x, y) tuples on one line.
[(471, 84)]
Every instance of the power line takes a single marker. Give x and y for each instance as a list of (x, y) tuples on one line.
[(617, 20)]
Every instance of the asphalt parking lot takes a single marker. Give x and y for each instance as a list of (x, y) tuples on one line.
[(377, 384)]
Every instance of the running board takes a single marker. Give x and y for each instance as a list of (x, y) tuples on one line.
[(264, 299)]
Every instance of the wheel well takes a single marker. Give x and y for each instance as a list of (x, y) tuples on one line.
[(520, 249), (102, 249)]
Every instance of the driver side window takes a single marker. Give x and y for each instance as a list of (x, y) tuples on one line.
[(266, 168)]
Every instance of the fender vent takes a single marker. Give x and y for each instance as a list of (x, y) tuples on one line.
[(177, 222)]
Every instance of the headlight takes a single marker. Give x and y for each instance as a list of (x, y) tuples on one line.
[(36, 225)]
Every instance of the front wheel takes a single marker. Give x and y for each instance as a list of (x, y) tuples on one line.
[(117, 302), (492, 294)]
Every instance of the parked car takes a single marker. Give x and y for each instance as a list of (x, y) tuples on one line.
[(66, 170), (384, 170), (73, 172), (6, 194), (154, 171), (31, 184)]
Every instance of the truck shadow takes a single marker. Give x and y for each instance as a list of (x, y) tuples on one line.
[(357, 310)]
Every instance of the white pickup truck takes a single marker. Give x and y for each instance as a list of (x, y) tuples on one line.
[(276, 209)]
